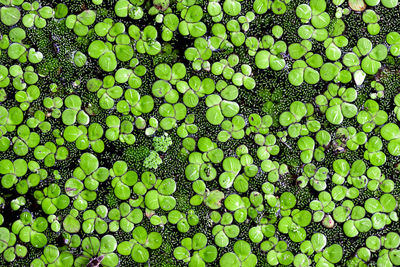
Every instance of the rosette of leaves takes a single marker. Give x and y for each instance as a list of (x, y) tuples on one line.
[(258, 124), (168, 76), (333, 46), (297, 111), (8, 248), (155, 219), (357, 222), (294, 225), (109, 29), (79, 23), (17, 50), (370, 64), (31, 230), (231, 167), (153, 125), (53, 256), (86, 179), (241, 256), (270, 191), (379, 88), (381, 210), (119, 131), (246, 20), (199, 54), (107, 91), (271, 58), (94, 248), (350, 138), (135, 103), (123, 48), (125, 217), (122, 179), (212, 199), (246, 160), (10, 118), (171, 114), (103, 52), (188, 127), (244, 78), (371, 18), (267, 145), (201, 254), (315, 176), (138, 246), (307, 31), (23, 78), (53, 105), (146, 40), (393, 39), (160, 196), (38, 120), (224, 230), (34, 178), (264, 228), (298, 50), (322, 209), (296, 129), (197, 168), (373, 152), (315, 12), (12, 171), (225, 67), (85, 137), (318, 180), (49, 153), (371, 116), (218, 109), (37, 15), (94, 220), (183, 221), (237, 37), (51, 199), (336, 103), (133, 9), (170, 25), (17, 203), (307, 146), (27, 97), (73, 112), (379, 180), (277, 252), (24, 140), (352, 61), (195, 89), (237, 205), (132, 77), (191, 24), (316, 244), (357, 177), (214, 9), (391, 132)]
